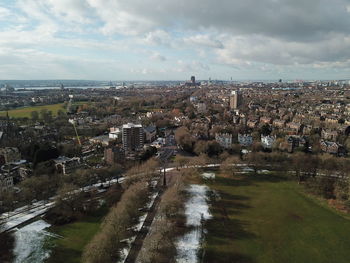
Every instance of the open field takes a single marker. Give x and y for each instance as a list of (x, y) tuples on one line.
[(267, 218), (75, 237), (26, 111)]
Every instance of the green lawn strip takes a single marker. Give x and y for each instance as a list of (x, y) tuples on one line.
[(269, 219), (26, 111), (75, 236)]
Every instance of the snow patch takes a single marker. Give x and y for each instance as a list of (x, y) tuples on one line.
[(208, 175), (196, 210), (29, 243)]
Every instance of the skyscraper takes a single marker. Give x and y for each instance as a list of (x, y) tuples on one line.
[(235, 99), (133, 137), (193, 80)]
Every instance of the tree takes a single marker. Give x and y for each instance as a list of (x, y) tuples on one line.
[(46, 115), (184, 139), (342, 190), (7, 201), (298, 160), (201, 147), (69, 204), (181, 161), (106, 244), (265, 130), (7, 242), (228, 165), (34, 115), (256, 160), (214, 149), (61, 114), (38, 187)]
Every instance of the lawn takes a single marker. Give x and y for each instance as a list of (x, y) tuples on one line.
[(75, 237), (267, 218), (26, 111)]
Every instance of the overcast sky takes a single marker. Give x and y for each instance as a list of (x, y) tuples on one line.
[(174, 39)]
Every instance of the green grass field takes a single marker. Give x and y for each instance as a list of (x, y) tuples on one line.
[(269, 219), (26, 111), (75, 237)]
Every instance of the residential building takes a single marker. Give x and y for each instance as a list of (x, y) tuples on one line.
[(245, 139), (114, 155), (6, 183), (329, 135), (235, 99), (9, 155), (332, 148), (279, 123), (224, 139), (66, 165), (115, 134), (267, 141), (150, 133), (133, 137)]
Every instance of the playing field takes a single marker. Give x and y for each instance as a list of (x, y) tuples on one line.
[(267, 218), (26, 111)]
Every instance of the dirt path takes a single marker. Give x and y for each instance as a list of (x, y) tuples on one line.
[(137, 244)]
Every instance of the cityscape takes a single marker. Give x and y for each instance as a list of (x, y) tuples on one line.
[(161, 132)]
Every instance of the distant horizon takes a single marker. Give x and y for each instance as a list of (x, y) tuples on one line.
[(172, 80)]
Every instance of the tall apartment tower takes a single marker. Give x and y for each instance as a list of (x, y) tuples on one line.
[(235, 99), (133, 137), (193, 80)]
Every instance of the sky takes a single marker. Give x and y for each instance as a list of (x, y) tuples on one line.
[(174, 39)]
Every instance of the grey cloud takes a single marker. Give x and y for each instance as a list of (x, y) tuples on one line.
[(289, 19)]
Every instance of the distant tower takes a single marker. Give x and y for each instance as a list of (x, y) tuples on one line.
[(193, 79), (235, 99)]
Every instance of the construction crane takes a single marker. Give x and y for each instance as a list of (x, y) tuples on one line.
[(72, 121)]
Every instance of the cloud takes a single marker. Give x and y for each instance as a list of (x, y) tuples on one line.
[(157, 56), (256, 35), (4, 13), (158, 37), (287, 19), (203, 40), (193, 66), (240, 50)]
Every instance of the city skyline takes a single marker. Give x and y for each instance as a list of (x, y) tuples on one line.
[(142, 40)]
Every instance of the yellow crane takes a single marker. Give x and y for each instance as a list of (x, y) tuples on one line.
[(72, 121)]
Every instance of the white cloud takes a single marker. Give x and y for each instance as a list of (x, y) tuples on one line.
[(203, 40), (4, 13), (157, 56)]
